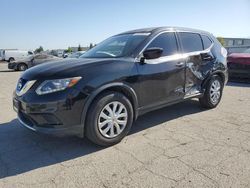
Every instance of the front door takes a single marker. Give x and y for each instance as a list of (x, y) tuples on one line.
[(162, 80)]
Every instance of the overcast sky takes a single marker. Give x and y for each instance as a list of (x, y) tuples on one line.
[(27, 24)]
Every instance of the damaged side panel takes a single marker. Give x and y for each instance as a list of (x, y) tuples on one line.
[(197, 70)]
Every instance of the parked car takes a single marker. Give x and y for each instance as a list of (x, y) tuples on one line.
[(16, 55), (31, 61), (76, 54), (102, 93), (239, 64), (1, 55), (60, 53)]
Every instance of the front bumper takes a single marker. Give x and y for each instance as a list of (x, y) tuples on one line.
[(62, 131), (60, 117), (237, 70)]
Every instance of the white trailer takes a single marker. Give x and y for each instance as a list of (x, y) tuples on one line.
[(15, 55)]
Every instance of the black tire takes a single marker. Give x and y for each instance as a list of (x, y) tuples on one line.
[(11, 59), (206, 100), (92, 131), (22, 67)]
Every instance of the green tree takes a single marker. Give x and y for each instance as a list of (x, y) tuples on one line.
[(79, 48), (91, 46), (39, 50), (69, 50), (221, 40)]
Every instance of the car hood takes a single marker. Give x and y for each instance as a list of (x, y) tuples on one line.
[(239, 55), (62, 68)]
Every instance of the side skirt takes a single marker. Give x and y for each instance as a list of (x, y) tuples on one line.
[(144, 110)]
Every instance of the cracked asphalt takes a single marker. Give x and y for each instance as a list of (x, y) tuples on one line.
[(178, 146)]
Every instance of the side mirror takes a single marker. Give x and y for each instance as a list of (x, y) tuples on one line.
[(152, 53)]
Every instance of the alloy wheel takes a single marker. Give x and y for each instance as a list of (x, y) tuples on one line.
[(215, 91), (22, 68), (112, 119)]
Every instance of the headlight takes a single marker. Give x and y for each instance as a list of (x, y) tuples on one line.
[(51, 86)]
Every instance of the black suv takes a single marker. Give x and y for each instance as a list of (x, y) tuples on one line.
[(101, 94)]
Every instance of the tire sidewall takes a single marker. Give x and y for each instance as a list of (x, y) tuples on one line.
[(11, 59), (20, 66), (93, 132), (215, 77)]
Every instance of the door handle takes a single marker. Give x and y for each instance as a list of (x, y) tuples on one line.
[(180, 64)]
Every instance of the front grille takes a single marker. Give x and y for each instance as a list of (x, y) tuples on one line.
[(26, 119), (40, 120), (46, 120)]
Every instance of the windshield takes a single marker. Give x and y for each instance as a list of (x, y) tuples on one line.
[(247, 51), (117, 46)]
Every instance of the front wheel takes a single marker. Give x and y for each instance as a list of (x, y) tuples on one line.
[(22, 67), (213, 93), (11, 60), (109, 119)]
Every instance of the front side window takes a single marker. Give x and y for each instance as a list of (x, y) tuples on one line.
[(40, 56), (117, 46), (191, 42), (30, 53), (167, 42)]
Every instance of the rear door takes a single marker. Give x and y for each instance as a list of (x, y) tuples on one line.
[(198, 60), (162, 80)]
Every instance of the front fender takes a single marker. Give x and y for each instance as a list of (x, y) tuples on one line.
[(110, 86)]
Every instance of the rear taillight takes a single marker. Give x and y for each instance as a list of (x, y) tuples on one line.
[(223, 52)]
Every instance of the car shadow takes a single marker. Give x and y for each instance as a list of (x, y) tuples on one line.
[(239, 83), (7, 71), (22, 150)]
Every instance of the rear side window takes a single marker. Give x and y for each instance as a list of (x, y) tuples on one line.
[(206, 41), (191, 42), (167, 42), (41, 56)]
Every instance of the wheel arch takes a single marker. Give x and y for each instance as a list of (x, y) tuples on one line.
[(116, 87), (11, 58), (21, 63), (218, 73)]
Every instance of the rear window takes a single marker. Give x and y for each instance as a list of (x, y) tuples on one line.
[(41, 56), (206, 41), (191, 42)]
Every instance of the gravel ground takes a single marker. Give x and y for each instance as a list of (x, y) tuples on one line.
[(178, 146)]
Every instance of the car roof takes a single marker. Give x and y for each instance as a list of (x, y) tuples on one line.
[(166, 28)]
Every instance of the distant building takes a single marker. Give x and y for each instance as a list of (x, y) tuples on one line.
[(235, 45), (75, 49)]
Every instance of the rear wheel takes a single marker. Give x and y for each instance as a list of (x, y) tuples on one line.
[(22, 67), (213, 93), (11, 59), (109, 119)]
